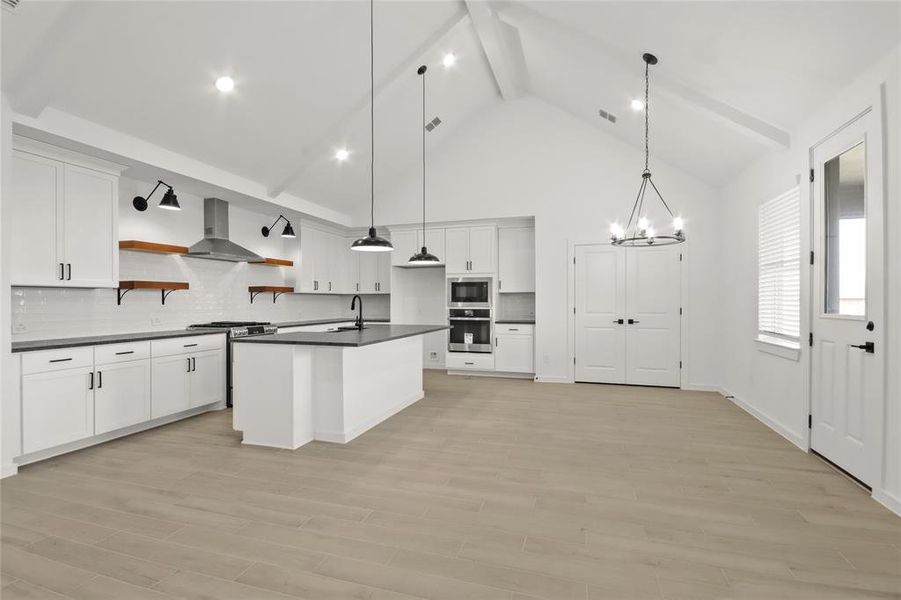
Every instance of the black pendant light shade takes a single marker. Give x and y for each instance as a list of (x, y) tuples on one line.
[(423, 257), (287, 232), (169, 201), (638, 232), (372, 242)]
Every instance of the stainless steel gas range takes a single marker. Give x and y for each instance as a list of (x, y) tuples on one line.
[(236, 329)]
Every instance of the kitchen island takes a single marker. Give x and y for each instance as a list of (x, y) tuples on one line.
[(293, 388)]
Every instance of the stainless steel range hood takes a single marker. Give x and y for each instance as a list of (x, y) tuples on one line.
[(215, 244)]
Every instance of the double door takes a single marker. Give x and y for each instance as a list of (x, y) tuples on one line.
[(627, 315), (471, 249), (184, 381)]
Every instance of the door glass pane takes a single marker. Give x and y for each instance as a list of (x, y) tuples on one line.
[(846, 233)]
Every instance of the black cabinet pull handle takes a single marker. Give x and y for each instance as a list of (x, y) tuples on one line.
[(56, 360), (619, 321), (69, 271), (188, 345), (468, 363), (189, 365), (91, 384), (62, 271), (127, 352), (633, 321), (99, 379), (193, 364)]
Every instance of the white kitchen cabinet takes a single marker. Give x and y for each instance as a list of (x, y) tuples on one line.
[(322, 264), (514, 352), (206, 381), (471, 249), (406, 244), (374, 272), (303, 270), (57, 408), (516, 259), (169, 385), (434, 241), (121, 394), (66, 219)]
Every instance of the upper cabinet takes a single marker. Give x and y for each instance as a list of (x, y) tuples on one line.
[(516, 259), (322, 263), (409, 242), (66, 217), (471, 249)]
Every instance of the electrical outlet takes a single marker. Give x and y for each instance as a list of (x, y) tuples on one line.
[(155, 321), (433, 356), (20, 327)]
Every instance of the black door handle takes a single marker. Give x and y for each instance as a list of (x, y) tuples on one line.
[(868, 347), (193, 364), (62, 271), (618, 321), (99, 379), (68, 271), (91, 384), (633, 321)]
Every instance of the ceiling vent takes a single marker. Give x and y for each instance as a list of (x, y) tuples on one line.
[(606, 115), (432, 124), (10, 5)]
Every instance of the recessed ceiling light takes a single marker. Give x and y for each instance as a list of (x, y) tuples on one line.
[(449, 60), (225, 84), (637, 104), (342, 154)]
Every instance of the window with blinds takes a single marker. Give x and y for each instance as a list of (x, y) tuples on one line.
[(779, 266)]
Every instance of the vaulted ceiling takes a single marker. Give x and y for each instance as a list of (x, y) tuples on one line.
[(734, 78)]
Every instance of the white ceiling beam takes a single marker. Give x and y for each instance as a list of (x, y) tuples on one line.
[(319, 147), (610, 58), (503, 49)]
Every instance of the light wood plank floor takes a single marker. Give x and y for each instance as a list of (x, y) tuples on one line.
[(487, 488)]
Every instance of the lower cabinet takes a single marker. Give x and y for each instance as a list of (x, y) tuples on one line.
[(514, 350), (57, 408), (183, 381), (121, 395), (206, 381)]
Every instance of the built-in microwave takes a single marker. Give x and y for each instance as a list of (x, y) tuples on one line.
[(470, 330), (469, 292)]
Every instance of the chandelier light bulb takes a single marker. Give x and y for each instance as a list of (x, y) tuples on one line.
[(617, 231), (643, 223), (678, 224), (650, 233)]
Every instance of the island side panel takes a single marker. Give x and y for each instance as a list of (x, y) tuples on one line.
[(328, 394), (379, 381), (272, 395)]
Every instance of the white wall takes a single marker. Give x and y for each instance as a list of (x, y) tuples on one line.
[(525, 157), (774, 388), (218, 290)]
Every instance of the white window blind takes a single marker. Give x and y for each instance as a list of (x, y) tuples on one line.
[(779, 264)]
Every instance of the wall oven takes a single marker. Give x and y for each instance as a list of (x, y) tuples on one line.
[(469, 292), (470, 330)]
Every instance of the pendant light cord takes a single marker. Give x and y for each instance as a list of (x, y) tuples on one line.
[(423, 159), (647, 66), (371, 116)]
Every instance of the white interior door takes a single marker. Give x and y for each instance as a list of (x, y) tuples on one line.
[(600, 303), (653, 325), (848, 311)]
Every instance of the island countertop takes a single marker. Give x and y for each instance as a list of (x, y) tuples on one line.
[(372, 334)]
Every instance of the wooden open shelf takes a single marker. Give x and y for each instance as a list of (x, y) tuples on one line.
[(141, 246), (165, 288), (275, 290), (275, 262)]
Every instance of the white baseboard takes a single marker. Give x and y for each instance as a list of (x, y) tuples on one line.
[(800, 442), (704, 387), (888, 500), (340, 437), (552, 379), (8, 470)]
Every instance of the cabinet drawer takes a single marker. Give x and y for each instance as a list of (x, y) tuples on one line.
[(56, 360), (115, 353), (184, 345), (470, 360), (514, 329)]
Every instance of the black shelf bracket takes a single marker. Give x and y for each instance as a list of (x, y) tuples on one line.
[(275, 296), (164, 293), (120, 293)]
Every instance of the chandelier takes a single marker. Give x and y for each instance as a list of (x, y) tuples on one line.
[(638, 231)]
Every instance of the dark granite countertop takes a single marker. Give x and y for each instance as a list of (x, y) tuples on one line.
[(115, 338), (327, 322), (373, 334), (515, 321)]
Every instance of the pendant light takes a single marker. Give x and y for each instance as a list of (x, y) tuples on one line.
[(638, 232), (423, 258), (372, 242)]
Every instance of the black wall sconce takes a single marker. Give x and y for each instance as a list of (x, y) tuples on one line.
[(169, 201), (287, 232)]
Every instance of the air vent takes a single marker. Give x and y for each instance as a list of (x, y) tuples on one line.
[(606, 115), (10, 4), (432, 124)]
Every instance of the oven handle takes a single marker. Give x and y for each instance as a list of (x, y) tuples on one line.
[(469, 318)]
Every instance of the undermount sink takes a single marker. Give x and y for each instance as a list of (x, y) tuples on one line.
[(347, 328)]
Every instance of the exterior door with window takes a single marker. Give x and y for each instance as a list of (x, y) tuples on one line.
[(848, 289)]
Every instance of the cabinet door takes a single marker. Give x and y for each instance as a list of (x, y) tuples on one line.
[(34, 198), (89, 227), (516, 259), (434, 241), (406, 244), (351, 267), (121, 395), (207, 378), (369, 272), (456, 247), (514, 354), (169, 385), (482, 252), (384, 272), (303, 270), (337, 278), (57, 408)]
